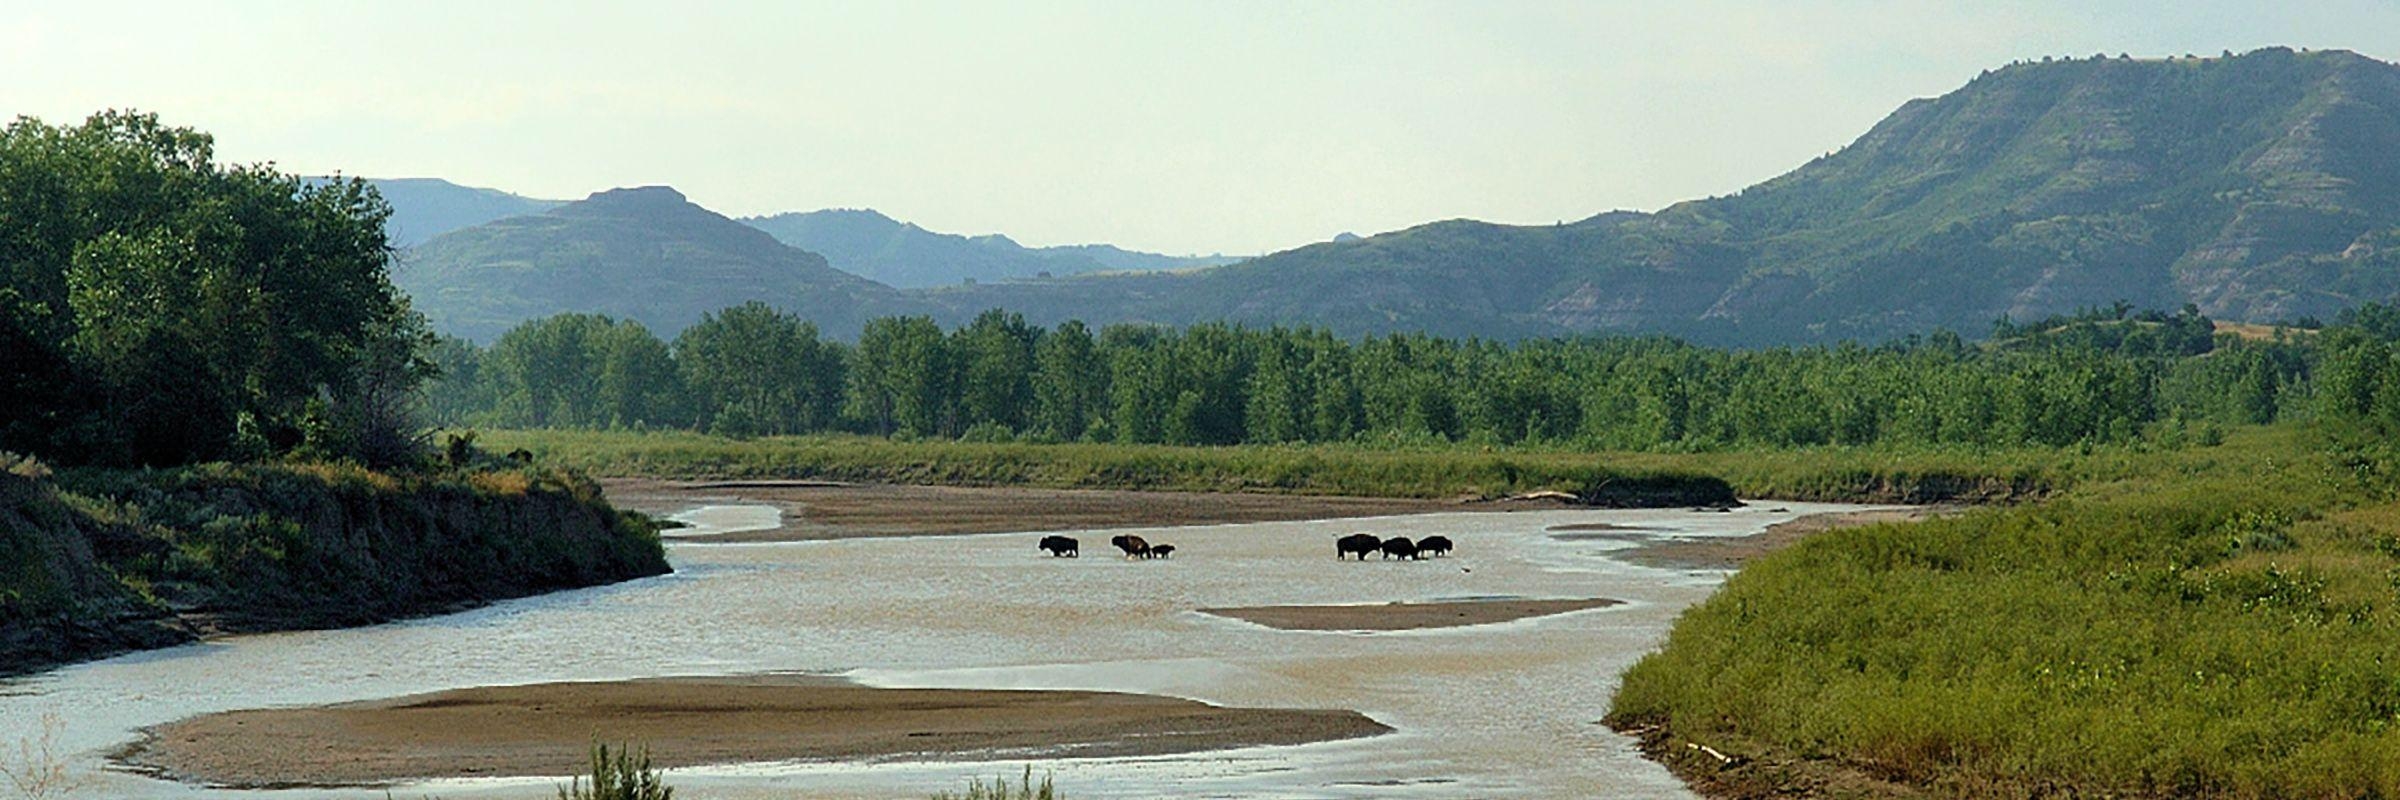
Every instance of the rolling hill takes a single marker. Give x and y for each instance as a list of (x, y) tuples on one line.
[(645, 254), (866, 243), (423, 208), (2257, 187)]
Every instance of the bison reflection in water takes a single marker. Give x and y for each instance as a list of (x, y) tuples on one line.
[(1359, 543), (1433, 546), (1061, 546), (1399, 546), (1134, 546)]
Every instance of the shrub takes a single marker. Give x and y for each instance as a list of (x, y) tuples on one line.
[(999, 789), (619, 776)]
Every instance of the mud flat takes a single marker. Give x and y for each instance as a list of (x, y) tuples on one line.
[(547, 729), (1732, 552), (1405, 616), (817, 510)]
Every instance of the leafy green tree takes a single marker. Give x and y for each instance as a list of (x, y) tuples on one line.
[(903, 378), (755, 371), (584, 370), (995, 356), (194, 307), (1070, 384)]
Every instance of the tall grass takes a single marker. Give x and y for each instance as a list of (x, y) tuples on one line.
[(999, 789), (1442, 471), (2212, 622), (622, 775)]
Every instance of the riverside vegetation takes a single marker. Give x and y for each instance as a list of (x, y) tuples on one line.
[(227, 384), (2199, 604), (206, 384), (2211, 622)]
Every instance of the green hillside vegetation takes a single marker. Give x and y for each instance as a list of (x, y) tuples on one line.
[(643, 254), (2256, 188), (100, 561), (216, 361), (868, 244), (2213, 622)]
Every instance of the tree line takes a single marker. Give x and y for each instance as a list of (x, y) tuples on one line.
[(158, 308), (754, 371)]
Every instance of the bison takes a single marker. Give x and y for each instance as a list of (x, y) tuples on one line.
[(1399, 546), (1433, 546), (1060, 546), (1359, 543), (1134, 546), (1162, 550)]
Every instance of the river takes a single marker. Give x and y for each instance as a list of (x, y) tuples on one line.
[(1504, 710)]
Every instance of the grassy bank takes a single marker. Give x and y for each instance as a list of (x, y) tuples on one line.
[(1433, 471), (2217, 621), (94, 562)]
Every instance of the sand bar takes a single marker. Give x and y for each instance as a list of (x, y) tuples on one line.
[(546, 729), (1405, 616), (814, 510), (1732, 552)]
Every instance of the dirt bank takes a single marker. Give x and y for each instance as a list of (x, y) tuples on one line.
[(1733, 552), (99, 562), (1404, 616), (820, 510), (546, 729)]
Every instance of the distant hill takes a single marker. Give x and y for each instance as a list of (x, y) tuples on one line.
[(423, 208), (645, 254), (868, 244), (2258, 188)]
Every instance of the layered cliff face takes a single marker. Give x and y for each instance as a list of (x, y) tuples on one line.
[(103, 562)]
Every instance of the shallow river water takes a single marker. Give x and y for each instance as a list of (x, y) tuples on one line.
[(1505, 710)]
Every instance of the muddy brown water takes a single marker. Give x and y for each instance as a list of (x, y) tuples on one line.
[(1500, 710)]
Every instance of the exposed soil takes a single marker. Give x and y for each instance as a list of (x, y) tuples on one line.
[(1732, 774), (1404, 616), (1733, 552), (821, 510), (547, 729)]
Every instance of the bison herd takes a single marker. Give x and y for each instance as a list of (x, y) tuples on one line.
[(1134, 547), (1359, 544), (1363, 545)]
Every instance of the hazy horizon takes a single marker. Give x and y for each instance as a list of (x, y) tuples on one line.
[(1187, 128)]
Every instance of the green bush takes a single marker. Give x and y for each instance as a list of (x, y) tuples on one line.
[(621, 775)]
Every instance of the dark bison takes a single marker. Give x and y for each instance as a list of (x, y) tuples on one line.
[(1399, 546), (1134, 546), (1060, 546), (1162, 550), (1359, 543), (1433, 546)]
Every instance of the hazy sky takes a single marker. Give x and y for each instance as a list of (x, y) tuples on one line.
[(1182, 127)]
